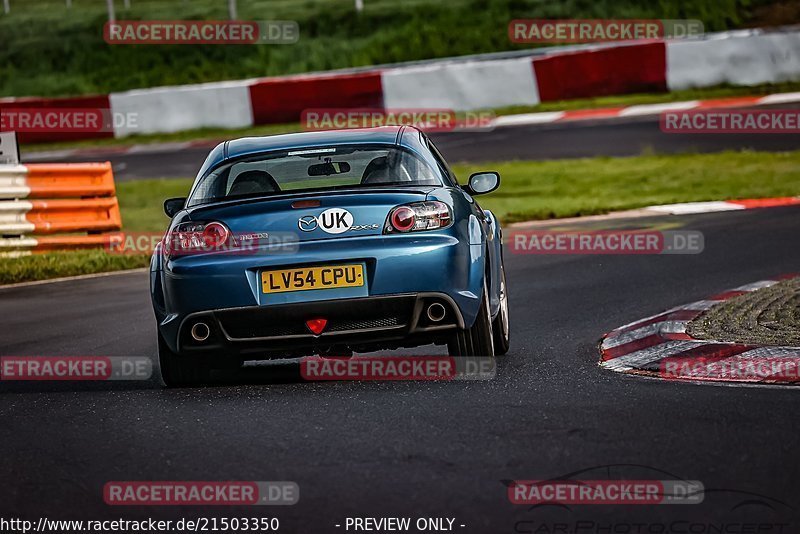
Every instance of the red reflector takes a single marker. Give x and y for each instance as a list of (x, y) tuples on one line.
[(316, 325), (305, 204)]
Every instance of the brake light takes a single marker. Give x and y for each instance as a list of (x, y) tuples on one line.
[(403, 219), (215, 234), (418, 216), (196, 238)]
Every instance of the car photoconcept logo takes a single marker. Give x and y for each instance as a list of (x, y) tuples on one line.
[(332, 221)]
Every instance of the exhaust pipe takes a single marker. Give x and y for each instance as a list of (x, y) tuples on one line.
[(200, 332), (436, 312)]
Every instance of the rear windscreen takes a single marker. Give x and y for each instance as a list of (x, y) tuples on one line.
[(313, 169)]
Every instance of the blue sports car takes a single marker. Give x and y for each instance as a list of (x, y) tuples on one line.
[(327, 243)]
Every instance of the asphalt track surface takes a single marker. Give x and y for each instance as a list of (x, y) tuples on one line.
[(613, 137), (421, 449)]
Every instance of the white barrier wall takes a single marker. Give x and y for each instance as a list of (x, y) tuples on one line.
[(173, 109), (736, 58), (461, 86)]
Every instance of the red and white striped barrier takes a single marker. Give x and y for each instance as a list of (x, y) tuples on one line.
[(737, 58), (647, 346), (498, 122)]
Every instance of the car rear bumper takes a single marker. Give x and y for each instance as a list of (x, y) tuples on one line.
[(361, 323), (395, 266)]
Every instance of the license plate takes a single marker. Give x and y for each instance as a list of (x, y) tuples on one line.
[(312, 278)]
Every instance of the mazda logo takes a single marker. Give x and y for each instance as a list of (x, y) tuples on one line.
[(307, 223)]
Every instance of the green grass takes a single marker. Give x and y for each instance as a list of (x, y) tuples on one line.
[(529, 190), (59, 264), (555, 189), (141, 202), (49, 50), (585, 103)]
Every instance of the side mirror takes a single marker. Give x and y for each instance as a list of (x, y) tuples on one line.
[(481, 183), (173, 206)]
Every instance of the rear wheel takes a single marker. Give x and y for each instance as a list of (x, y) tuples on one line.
[(502, 335), (178, 370), (476, 340)]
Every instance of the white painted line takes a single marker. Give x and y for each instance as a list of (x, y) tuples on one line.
[(72, 278), (528, 118), (687, 208), (664, 327), (155, 148), (756, 285), (701, 305), (780, 98), (656, 109), (50, 154)]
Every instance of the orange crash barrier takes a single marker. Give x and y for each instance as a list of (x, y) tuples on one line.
[(47, 199)]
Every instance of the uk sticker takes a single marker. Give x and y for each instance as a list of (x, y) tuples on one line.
[(335, 221)]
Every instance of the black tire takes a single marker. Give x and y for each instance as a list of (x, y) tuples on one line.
[(500, 329), (182, 371), (476, 340)]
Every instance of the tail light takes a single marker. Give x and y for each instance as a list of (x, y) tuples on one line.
[(215, 235), (196, 238), (418, 216)]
